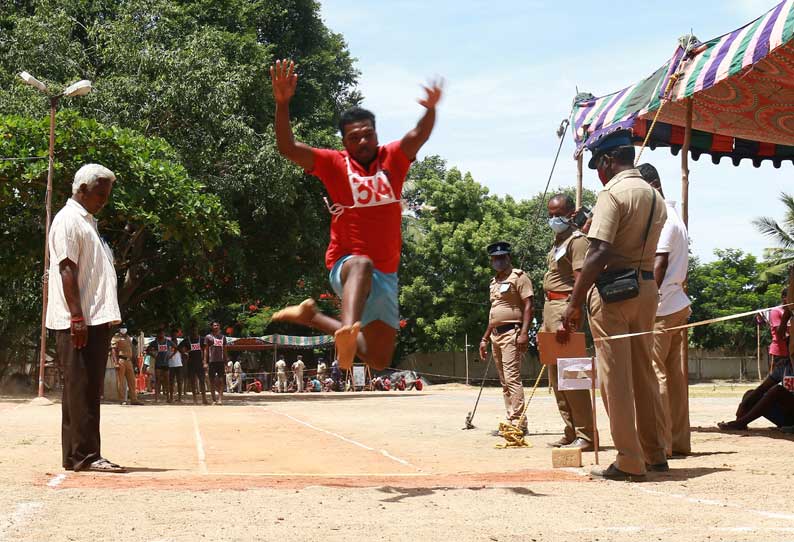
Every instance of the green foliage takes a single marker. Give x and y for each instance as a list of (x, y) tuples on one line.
[(445, 270), (781, 257), (196, 75), (731, 284), (159, 222)]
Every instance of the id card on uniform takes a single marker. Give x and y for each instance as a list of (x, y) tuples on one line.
[(504, 287), (560, 251)]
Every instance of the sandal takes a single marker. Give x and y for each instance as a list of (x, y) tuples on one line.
[(103, 465)]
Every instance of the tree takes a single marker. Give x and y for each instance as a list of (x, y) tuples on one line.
[(195, 74), (445, 270), (729, 285), (782, 256), (160, 222)]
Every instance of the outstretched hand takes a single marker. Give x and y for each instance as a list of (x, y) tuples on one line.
[(284, 80), (433, 94)]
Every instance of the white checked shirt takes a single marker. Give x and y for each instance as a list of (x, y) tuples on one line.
[(74, 235)]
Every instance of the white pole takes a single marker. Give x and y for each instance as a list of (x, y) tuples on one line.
[(466, 341)]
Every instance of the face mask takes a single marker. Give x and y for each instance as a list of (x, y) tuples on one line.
[(499, 265), (123, 330), (559, 224)]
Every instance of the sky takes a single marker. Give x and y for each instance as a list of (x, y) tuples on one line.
[(512, 69)]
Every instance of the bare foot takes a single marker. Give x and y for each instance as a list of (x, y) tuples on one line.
[(298, 314), (732, 426), (345, 338)]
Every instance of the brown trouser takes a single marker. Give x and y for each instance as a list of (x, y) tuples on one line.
[(673, 379), (628, 382), (83, 380), (508, 365), (125, 373), (574, 405)]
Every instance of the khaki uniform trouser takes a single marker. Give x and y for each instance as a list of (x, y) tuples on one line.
[(673, 380), (282, 381), (508, 366), (574, 405), (125, 373), (628, 381), (299, 380)]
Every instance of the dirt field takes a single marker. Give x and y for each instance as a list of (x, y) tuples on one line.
[(383, 466)]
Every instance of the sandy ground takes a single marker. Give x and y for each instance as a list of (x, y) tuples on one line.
[(383, 466)]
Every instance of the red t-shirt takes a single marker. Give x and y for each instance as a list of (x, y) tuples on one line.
[(372, 231)]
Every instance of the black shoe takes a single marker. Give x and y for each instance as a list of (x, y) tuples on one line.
[(613, 473), (658, 467), (582, 444)]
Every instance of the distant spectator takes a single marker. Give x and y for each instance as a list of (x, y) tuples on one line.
[(255, 386), (315, 385), (164, 348), (400, 384), (386, 383)]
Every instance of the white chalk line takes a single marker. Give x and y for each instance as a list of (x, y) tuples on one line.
[(713, 502), (22, 512), (56, 480), (345, 439), (202, 457)]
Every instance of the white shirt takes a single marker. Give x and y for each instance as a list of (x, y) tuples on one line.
[(175, 360), (281, 366), (298, 366), (74, 235), (673, 241)]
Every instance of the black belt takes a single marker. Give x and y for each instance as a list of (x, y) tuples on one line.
[(646, 275), (504, 328)]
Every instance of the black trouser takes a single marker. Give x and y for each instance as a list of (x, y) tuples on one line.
[(195, 371), (84, 378), (175, 378)]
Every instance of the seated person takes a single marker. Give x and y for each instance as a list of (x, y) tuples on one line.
[(255, 386), (773, 399), (386, 383), (400, 384), (376, 384), (314, 385), (328, 385), (417, 383)]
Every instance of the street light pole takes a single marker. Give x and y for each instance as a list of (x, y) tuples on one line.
[(45, 283), (78, 88)]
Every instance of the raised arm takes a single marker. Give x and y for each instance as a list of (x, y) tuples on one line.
[(284, 80), (413, 140)]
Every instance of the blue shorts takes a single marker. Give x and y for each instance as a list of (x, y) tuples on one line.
[(382, 303)]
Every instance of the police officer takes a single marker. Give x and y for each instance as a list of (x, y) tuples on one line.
[(121, 353), (508, 327), (564, 262), (627, 221)]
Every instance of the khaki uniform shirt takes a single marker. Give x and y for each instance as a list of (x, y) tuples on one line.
[(124, 345), (620, 216), (507, 298), (563, 260)]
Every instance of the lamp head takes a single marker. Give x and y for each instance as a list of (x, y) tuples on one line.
[(32, 81), (80, 88)]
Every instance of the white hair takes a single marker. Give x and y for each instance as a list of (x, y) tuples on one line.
[(89, 176)]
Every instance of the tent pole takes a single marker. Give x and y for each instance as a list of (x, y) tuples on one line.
[(685, 217), (579, 181)]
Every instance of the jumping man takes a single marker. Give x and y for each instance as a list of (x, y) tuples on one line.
[(365, 183)]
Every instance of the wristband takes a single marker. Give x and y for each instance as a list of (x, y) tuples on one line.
[(78, 319)]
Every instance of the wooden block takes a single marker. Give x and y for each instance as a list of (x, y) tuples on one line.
[(566, 457), (549, 349)]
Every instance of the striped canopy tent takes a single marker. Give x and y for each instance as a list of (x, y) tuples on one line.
[(295, 341), (732, 96)]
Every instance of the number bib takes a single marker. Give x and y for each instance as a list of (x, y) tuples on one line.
[(162, 347), (788, 383), (367, 191), (195, 346), (217, 342)]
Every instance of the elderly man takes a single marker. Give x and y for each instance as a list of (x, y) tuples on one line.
[(627, 221), (508, 328), (669, 270), (82, 306)]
